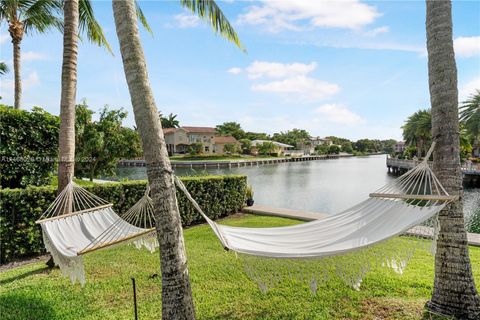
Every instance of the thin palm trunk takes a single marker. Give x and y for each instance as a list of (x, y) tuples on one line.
[(16, 72), (454, 292), (68, 94), (15, 29), (177, 302)]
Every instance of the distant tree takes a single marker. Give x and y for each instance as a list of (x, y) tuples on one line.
[(230, 148), (294, 137), (470, 115), (321, 149), (195, 148), (246, 145), (417, 131), (257, 136), (388, 146), (231, 129), (100, 144), (266, 148), (333, 149), (365, 146), (170, 121)]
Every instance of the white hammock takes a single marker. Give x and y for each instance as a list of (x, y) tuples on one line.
[(395, 208), (78, 222)]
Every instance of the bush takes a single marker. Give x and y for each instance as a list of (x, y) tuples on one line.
[(195, 148), (218, 196), (29, 146)]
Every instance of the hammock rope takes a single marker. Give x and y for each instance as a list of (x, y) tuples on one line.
[(78, 222)]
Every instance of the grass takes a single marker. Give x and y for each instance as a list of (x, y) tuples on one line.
[(220, 287)]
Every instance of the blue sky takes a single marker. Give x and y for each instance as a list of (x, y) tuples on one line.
[(348, 68)]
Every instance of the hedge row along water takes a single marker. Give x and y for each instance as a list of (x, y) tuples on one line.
[(219, 196)]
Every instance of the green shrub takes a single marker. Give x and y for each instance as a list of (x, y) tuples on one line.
[(28, 148), (20, 237)]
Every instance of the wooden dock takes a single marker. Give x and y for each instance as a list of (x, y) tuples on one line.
[(471, 173), (473, 238), (231, 164)]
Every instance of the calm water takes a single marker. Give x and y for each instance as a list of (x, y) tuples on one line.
[(327, 186)]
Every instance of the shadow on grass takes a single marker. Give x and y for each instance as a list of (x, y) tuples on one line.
[(24, 275), (19, 307)]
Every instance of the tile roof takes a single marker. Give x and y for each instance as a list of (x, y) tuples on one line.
[(225, 139), (200, 129)]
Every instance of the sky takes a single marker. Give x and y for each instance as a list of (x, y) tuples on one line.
[(354, 69)]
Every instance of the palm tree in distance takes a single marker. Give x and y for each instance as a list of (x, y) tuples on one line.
[(177, 300), (3, 68), (454, 293), (170, 121), (470, 115)]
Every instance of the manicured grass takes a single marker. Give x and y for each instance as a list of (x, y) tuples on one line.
[(220, 287)]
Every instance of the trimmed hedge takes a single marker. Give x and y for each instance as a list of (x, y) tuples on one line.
[(20, 237), (28, 148)]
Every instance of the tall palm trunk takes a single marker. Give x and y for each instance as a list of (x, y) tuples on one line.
[(177, 302), (15, 29), (69, 90), (454, 290)]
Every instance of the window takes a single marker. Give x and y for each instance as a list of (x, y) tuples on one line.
[(207, 149)]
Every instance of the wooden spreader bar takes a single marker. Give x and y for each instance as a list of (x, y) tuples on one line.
[(430, 197), (111, 243), (75, 213)]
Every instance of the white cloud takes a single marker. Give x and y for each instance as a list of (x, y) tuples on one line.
[(303, 87), (375, 32), (7, 86), (277, 70), (31, 55), (280, 15), (234, 70), (468, 89), (467, 46), (186, 20), (339, 115)]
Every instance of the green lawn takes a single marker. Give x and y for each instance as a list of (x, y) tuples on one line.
[(220, 287)]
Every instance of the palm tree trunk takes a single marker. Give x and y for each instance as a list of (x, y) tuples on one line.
[(454, 292), (66, 139), (16, 72), (177, 302)]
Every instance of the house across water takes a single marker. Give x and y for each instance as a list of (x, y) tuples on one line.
[(180, 140)]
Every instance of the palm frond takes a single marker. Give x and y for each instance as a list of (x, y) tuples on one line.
[(90, 26), (209, 11), (3, 68), (41, 15), (142, 18)]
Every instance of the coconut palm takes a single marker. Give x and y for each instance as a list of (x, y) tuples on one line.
[(170, 121), (23, 18), (470, 115), (177, 302), (78, 18), (454, 292), (417, 131), (3, 68)]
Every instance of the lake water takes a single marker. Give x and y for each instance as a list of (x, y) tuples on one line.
[(326, 186)]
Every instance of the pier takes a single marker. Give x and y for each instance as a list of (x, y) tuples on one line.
[(471, 173), (231, 163)]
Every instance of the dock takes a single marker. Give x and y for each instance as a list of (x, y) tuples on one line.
[(232, 163), (471, 173), (257, 209)]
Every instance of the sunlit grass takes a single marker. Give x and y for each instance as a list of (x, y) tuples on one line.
[(220, 287)]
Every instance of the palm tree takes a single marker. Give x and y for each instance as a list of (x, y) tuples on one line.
[(78, 18), (454, 292), (23, 18), (177, 301), (3, 68), (470, 115), (170, 121), (417, 131)]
